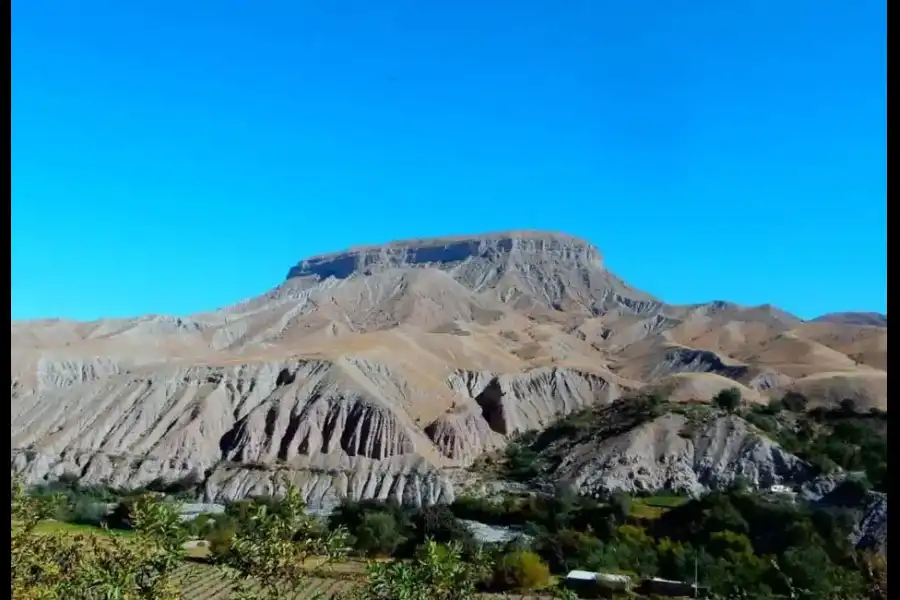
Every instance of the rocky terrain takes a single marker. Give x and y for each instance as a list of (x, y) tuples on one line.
[(382, 371), (671, 453)]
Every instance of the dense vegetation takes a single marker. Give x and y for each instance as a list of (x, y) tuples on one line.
[(738, 542), (828, 438), (267, 555)]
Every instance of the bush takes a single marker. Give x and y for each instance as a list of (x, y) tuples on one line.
[(567, 549), (848, 406), (437, 572), (520, 462), (620, 504), (52, 565), (84, 512), (438, 523), (795, 402), (728, 399), (186, 487), (378, 534), (521, 570), (220, 538), (204, 523), (121, 517)]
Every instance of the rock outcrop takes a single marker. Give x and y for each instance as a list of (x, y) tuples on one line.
[(673, 453)]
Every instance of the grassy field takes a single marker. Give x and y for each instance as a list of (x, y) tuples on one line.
[(62, 527), (664, 501), (653, 507)]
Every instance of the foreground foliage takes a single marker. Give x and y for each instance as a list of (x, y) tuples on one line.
[(57, 565), (438, 572), (273, 550)]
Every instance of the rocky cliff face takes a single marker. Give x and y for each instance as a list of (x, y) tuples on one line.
[(671, 453), (523, 269), (376, 371)]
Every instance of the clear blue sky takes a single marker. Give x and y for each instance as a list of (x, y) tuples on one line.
[(171, 157)]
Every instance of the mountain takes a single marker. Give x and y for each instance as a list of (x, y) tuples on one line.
[(872, 319), (381, 370)]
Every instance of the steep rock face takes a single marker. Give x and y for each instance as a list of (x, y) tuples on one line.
[(671, 360), (307, 416), (872, 531), (407, 479), (669, 453), (522, 269), (62, 373), (534, 399), (463, 434), (729, 448)]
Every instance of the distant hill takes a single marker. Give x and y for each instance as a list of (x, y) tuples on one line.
[(872, 319)]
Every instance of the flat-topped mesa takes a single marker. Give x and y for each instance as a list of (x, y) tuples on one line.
[(447, 252)]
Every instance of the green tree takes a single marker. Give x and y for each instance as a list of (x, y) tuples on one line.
[(810, 574), (59, 565), (728, 399), (274, 552), (620, 507), (673, 559), (521, 570), (795, 402), (438, 572), (848, 406), (378, 534)]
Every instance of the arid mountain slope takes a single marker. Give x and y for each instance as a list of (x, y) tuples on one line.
[(372, 372), (854, 318)]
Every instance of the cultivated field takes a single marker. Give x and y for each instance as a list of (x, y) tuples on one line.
[(204, 582)]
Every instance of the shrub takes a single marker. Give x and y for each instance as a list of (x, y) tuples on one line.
[(848, 406), (521, 570), (202, 524), (438, 572), (220, 538), (378, 534), (121, 517), (620, 504), (55, 565), (84, 512), (567, 549), (438, 523), (795, 402), (728, 399), (520, 462), (273, 553)]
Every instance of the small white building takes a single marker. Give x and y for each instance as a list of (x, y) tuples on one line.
[(783, 491)]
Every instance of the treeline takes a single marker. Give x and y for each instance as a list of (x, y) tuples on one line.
[(82, 504), (839, 438), (738, 542)]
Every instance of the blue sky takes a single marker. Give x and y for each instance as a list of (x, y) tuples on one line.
[(171, 157)]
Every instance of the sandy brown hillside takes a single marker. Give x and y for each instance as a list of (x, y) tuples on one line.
[(372, 371)]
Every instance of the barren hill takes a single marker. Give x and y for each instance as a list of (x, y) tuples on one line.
[(854, 318), (378, 370)]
